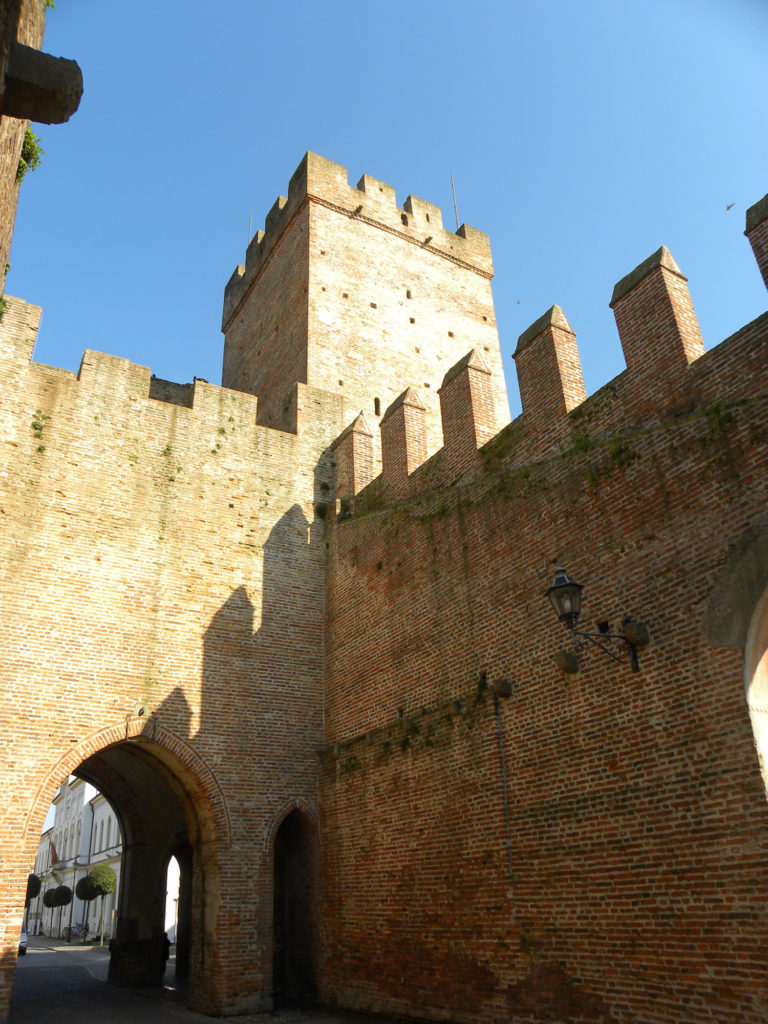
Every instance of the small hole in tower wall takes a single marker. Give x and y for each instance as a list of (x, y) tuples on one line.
[(374, 306), (377, 407), (404, 218), (412, 319), (341, 383), (345, 295), (408, 293), (450, 334), (427, 216)]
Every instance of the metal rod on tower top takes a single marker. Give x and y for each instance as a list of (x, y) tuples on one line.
[(455, 208)]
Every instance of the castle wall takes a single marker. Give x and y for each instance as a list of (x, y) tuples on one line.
[(167, 556), (188, 621), (594, 846)]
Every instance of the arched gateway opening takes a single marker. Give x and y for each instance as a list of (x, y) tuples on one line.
[(756, 681), (168, 805)]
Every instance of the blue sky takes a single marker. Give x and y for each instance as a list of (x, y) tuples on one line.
[(582, 134)]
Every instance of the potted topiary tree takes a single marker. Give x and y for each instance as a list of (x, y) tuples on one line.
[(86, 890), (104, 880)]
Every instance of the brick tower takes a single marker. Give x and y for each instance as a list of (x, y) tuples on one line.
[(346, 292)]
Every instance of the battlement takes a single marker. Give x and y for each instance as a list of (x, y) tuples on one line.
[(108, 392), (668, 373), (371, 202), (757, 233)]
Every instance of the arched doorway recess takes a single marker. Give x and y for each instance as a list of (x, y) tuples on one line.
[(296, 932)]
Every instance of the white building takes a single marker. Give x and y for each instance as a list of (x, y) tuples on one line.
[(85, 832)]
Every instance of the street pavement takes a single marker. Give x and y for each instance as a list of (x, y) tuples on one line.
[(67, 984)]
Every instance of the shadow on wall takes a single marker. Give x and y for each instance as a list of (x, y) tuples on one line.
[(259, 685), (260, 731)]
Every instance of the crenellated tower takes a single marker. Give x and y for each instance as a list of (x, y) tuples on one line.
[(346, 292)]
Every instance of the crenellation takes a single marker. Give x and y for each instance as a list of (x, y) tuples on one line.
[(662, 342), (757, 233), (222, 403), (657, 326), (427, 215), (549, 372), (274, 217), (253, 251), (379, 197), (18, 334), (320, 177), (353, 456), (113, 376), (403, 441), (467, 410)]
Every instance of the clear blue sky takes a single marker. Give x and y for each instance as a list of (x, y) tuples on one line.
[(581, 135)]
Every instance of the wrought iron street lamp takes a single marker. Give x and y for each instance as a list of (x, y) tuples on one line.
[(565, 597)]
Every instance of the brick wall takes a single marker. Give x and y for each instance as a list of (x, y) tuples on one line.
[(594, 847), (181, 604), (166, 556)]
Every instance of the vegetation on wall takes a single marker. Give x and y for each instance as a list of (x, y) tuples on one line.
[(31, 151)]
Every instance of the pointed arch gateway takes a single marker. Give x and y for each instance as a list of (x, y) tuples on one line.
[(168, 803), (756, 681)]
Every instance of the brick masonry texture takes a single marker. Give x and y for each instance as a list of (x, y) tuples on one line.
[(294, 620)]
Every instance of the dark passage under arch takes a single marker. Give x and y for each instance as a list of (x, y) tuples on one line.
[(296, 938)]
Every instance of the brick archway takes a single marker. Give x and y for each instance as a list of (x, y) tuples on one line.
[(196, 771), (167, 799), (297, 804)]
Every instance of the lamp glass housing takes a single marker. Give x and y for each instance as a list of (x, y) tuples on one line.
[(565, 596)]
